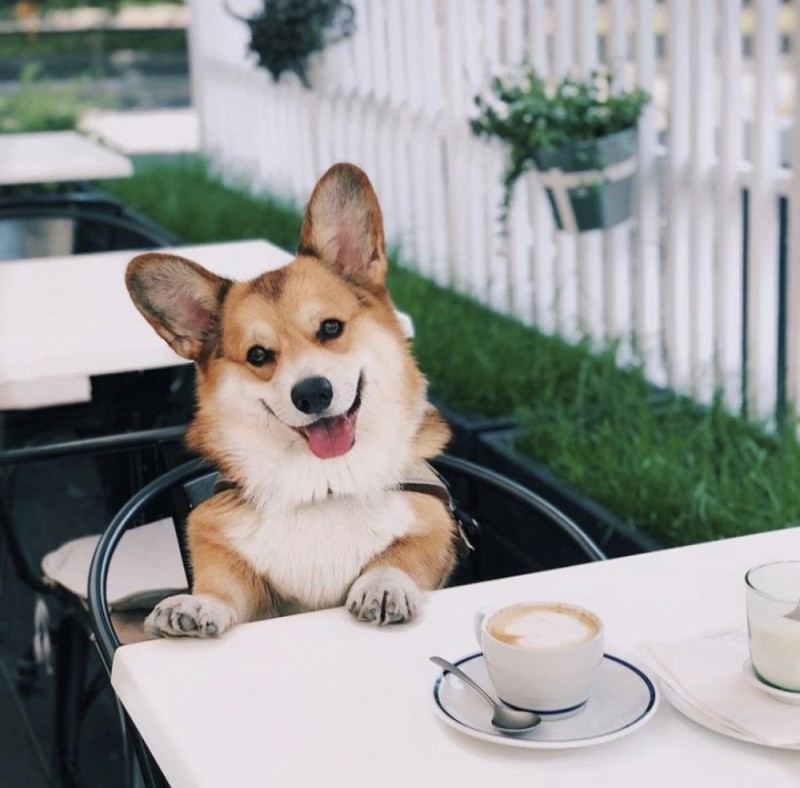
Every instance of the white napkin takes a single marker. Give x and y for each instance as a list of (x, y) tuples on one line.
[(708, 674)]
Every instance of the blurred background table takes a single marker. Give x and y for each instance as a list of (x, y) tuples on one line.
[(142, 132), (64, 319), (57, 157)]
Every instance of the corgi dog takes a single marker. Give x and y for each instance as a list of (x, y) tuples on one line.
[(312, 408)]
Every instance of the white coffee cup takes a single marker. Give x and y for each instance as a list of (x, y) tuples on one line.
[(542, 656)]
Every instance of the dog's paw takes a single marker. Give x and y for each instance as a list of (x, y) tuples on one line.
[(384, 595), (189, 615)]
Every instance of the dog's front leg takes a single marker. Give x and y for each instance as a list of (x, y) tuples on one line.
[(388, 590), (226, 589)]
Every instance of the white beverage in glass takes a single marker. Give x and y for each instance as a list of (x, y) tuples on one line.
[(773, 622)]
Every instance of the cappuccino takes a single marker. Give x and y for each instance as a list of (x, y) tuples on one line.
[(542, 656), (541, 626)]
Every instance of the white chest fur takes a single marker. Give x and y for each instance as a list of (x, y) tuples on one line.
[(312, 555)]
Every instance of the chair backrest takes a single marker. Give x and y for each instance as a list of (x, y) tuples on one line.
[(129, 516), (79, 226), (519, 531), (158, 441)]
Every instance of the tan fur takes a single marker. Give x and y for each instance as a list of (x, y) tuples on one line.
[(301, 531), (425, 555)]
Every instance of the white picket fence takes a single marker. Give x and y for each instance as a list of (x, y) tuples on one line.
[(681, 286)]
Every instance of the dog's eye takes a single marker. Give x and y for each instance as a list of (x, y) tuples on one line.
[(258, 356), (329, 329)]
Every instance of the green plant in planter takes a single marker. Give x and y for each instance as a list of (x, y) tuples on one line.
[(288, 32), (38, 105), (573, 126)]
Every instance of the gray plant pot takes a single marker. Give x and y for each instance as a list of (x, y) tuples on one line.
[(609, 166)]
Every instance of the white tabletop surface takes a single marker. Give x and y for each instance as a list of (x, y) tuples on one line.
[(322, 700), (65, 318), (57, 157), (137, 132)]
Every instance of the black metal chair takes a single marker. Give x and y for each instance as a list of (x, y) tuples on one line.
[(95, 223), (494, 500), (518, 530), (70, 632)]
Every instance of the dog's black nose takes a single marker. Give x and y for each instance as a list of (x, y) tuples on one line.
[(312, 395)]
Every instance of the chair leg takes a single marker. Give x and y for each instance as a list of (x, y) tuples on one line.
[(142, 771), (71, 653), (27, 673)]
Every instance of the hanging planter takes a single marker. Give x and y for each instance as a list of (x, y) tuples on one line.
[(287, 33), (579, 135), (590, 185)]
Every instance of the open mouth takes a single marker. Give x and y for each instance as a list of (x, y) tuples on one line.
[(335, 435)]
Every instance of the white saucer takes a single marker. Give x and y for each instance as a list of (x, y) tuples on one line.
[(623, 699), (783, 695), (707, 721)]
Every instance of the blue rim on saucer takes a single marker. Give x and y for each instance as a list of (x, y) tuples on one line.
[(624, 698), (552, 713)]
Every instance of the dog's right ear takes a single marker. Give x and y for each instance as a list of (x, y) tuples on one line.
[(179, 298)]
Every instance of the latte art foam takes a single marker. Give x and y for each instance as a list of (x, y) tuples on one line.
[(542, 627)]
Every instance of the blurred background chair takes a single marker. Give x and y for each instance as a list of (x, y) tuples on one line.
[(150, 566), (77, 222), (485, 500)]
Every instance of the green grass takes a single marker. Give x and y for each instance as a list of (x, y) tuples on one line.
[(82, 42), (678, 471), (40, 106), (183, 196)]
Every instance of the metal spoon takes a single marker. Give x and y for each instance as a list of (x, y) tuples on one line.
[(505, 719)]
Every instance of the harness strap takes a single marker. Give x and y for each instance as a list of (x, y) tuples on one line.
[(439, 491), (424, 478), (223, 485)]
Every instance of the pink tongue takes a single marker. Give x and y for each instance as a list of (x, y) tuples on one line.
[(330, 437)]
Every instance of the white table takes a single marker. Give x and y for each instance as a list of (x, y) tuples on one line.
[(57, 157), (321, 700), (138, 132), (63, 319)]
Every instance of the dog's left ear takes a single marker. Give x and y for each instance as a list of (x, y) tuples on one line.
[(343, 226)]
